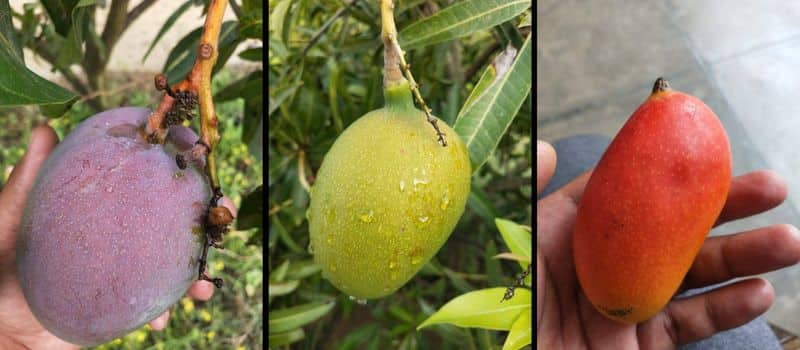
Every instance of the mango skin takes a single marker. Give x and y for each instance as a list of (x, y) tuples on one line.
[(649, 205), (110, 235), (386, 198)]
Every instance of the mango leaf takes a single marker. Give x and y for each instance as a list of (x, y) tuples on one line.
[(279, 274), (167, 25), (294, 317), (277, 17), (253, 54), (71, 52), (182, 57), (18, 85), (282, 288), (60, 12), (286, 338), (487, 77), (514, 257), (517, 237), (8, 35), (482, 309), (520, 333), (256, 144), (459, 20), (246, 88), (485, 121), (250, 25), (302, 269)]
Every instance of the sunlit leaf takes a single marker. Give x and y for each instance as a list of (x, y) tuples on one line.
[(521, 332), (482, 309), (297, 316)]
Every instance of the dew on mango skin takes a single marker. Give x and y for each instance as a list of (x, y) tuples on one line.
[(310, 248), (402, 185), (367, 217), (392, 264), (445, 200)]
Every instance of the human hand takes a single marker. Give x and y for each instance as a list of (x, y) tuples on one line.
[(567, 320), (18, 326)]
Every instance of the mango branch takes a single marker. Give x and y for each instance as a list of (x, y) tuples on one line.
[(393, 58), (196, 86)]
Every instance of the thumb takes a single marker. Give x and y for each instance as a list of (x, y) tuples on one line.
[(15, 192), (545, 164)]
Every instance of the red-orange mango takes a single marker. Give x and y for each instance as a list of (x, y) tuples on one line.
[(649, 205)]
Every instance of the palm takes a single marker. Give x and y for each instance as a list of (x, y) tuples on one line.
[(566, 319)]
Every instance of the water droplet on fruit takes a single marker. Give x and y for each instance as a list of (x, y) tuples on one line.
[(419, 182), (308, 214), (402, 185), (109, 189), (423, 219), (392, 264), (329, 240), (331, 215), (416, 259), (445, 200), (310, 248), (368, 217), (359, 301)]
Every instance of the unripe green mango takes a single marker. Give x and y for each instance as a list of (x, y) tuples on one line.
[(386, 198)]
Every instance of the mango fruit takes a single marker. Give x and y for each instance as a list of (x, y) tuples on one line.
[(649, 204), (386, 198), (112, 229)]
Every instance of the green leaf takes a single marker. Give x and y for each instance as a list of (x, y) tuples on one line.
[(294, 317), (167, 25), (248, 87), (513, 257), (282, 288), (482, 309), (8, 36), (520, 333), (59, 12), (19, 86), (251, 214), (183, 55), (284, 235), (250, 25), (286, 338), (517, 237), (255, 146), (459, 20), (71, 52), (277, 17), (485, 121), (279, 274), (253, 54), (484, 82), (302, 269)]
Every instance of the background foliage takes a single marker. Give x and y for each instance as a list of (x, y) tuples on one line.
[(325, 64), (66, 34)]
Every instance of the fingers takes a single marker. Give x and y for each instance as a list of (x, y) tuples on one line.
[(744, 254), (545, 164), (12, 199), (692, 319), (201, 290), (753, 193), (161, 321)]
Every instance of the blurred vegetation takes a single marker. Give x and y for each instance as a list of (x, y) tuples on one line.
[(326, 64)]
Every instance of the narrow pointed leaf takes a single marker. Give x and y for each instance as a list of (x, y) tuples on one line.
[(485, 121), (282, 288), (482, 309), (286, 338), (520, 333), (297, 316), (517, 237), (459, 20), (167, 25)]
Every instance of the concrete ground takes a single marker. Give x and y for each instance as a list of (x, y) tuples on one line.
[(597, 60)]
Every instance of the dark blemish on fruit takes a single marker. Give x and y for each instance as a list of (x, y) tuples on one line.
[(123, 130), (618, 312)]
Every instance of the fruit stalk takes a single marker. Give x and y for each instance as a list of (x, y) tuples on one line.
[(197, 82), (395, 62)]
